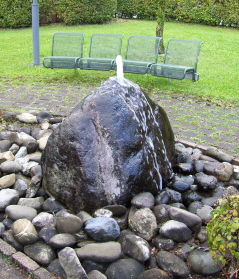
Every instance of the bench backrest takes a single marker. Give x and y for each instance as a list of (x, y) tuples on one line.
[(182, 52), (68, 44), (105, 45), (143, 48)]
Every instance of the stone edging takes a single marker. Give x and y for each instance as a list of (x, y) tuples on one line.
[(24, 262)]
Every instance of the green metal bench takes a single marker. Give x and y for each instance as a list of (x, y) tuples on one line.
[(102, 53), (67, 49), (180, 60), (141, 53)]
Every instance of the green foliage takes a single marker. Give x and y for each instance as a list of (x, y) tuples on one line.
[(17, 13), (223, 230), (209, 12), (86, 11), (143, 9)]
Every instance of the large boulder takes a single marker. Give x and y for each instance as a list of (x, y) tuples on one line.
[(115, 144)]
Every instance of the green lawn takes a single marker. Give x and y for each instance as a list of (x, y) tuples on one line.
[(218, 62)]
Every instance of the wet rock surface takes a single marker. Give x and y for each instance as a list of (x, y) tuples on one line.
[(120, 144), (157, 254)]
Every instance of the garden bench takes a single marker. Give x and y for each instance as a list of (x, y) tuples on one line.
[(67, 49), (102, 53), (180, 60), (141, 53)]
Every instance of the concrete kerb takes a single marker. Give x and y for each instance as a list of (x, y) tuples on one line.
[(24, 262)]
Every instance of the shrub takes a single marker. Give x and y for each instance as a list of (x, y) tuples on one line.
[(223, 231), (126, 8), (86, 11), (146, 9), (17, 13)]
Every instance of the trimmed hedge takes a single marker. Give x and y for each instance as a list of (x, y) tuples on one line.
[(18, 13), (86, 11), (208, 12)]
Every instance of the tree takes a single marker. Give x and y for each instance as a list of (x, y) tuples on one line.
[(160, 22)]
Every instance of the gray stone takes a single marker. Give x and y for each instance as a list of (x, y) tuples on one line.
[(2, 228), (143, 200), (46, 233), (56, 268), (32, 202), (71, 264), (24, 231), (27, 118), (100, 252), (218, 155), (204, 213), (161, 212), (6, 156), (201, 262), (52, 205), (168, 196), (143, 223), (136, 247), (8, 197), (7, 181), (102, 212), (176, 231), (205, 182), (16, 212), (69, 224), (62, 240), (163, 243), (191, 220), (124, 268), (172, 264), (10, 239), (4, 145), (84, 216), (117, 210), (113, 161), (14, 148), (43, 219), (154, 273), (40, 252), (102, 229), (95, 274), (21, 186)]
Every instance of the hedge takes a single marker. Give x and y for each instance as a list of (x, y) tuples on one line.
[(86, 11), (17, 13)]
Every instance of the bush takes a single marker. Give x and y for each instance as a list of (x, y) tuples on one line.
[(18, 13), (223, 231), (209, 12), (86, 11), (126, 8)]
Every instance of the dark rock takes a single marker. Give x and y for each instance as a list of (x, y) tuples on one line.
[(56, 268), (205, 182), (47, 232), (52, 205), (102, 229), (10, 239), (120, 143), (191, 196), (142, 200), (161, 212), (117, 210), (163, 243), (91, 265), (172, 264), (124, 268), (43, 115), (154, 273)]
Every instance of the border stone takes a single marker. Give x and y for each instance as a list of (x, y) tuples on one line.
[(42, 273), (25, 262), (6, 249)]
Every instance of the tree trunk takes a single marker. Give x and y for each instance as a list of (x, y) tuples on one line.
[(160, 22)]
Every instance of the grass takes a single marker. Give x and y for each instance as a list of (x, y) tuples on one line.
[(218, 63)]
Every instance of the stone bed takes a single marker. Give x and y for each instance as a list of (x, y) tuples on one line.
[(160, 236)]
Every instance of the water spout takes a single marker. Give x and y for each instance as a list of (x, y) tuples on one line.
[(119, 63)]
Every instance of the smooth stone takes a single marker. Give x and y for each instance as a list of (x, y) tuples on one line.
[(84, 216), (62, 240), (143, 200), (10, 239), (102, 212), (102, 229), (24, 231), (7, 181), (117, 210), (205, 182), (52, 205), (56, 268), (14, 148), (43, 219), (33, 186), (40, 252), (16, 212), (172, 264), (70, 224), (161, 212), (8, 197), (6, 156), (43, 116), (163, 243), (191, 220), (42, 142), (27, 118), (90, 266), (218, 155), (176, 231), (204, 213), (47, 232), (26, 167), (168, 196), (21, 186), (32, 202), (71, 264), (4, 145), (100, 252), (201, 262), (95, 274), (10, 167), (225, 173), (154, 273), (136, 247), (144, 223), (124, 268), (36, 157), (191, 196)]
